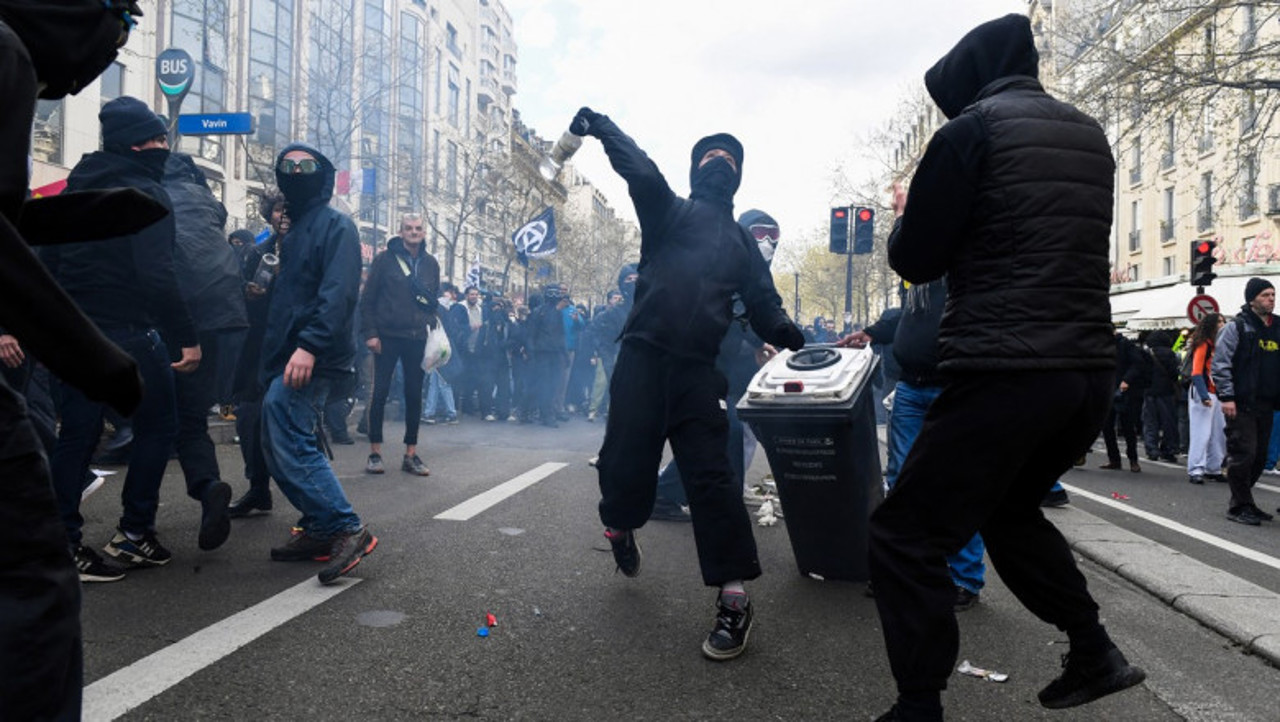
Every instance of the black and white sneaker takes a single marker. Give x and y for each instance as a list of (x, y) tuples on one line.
[(93, 568), (728, 638), (145, 552), (626, 552)]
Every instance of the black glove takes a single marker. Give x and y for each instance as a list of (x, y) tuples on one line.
[(787, 334), (583, 121)]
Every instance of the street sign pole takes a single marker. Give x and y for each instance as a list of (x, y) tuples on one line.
[(174, 72), (848, 289)]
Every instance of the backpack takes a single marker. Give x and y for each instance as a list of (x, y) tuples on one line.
[(1184, 369)]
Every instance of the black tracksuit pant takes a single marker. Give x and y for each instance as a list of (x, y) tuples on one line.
[(991, 446), (656, 397), (408, 353), (1128, 411), (1247, 437), (195, 393)]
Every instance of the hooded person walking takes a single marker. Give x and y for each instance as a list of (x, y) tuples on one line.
[(693, 258)]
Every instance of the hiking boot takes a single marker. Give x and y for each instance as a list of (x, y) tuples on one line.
[(302, 547), (374, 464), (145, 552), (215, 516), (626, 552), (346, 552), (965, 599), (1244, 515), (1055, 498), (93, 568), (252, 503), (413, 465), (1086, 678), (728, 637)]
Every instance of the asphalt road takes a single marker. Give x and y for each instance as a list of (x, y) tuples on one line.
[(229, 634)]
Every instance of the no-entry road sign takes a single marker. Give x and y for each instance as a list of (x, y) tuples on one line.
[(1201, 306)]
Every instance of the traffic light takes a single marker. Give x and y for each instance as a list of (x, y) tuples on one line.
[(864, 227), (839, 230), (1202, 261)]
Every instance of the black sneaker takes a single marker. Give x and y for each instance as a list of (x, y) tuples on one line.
[(1055, 498), (1244, 515), (1261, 514), (1196, 479), (728, 638), (302, 547), (346, 552), (215, 516), (374, 464), (413, 465), (93, 568), (965, 599), (626, 552), (145, 552), (251, 504), (1085, 679)]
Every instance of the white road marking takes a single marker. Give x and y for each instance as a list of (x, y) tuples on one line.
[(497, 494), (1268, 487), (1196, 534), (132, 686)]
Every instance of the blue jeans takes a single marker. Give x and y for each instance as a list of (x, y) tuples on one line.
[(290, 418), (155, 425), (910, 404), (440, 391)]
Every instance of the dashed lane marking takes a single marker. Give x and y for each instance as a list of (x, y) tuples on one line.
[(1183, 529), (127, 688), (501, 492)]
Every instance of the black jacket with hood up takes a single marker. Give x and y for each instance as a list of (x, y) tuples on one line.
[(314, 295), (128, 281), (693, 258), (1012, 201), (397, 304)]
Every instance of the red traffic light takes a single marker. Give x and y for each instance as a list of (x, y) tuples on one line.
[(864, 214), (1204, 247), (837, 212)]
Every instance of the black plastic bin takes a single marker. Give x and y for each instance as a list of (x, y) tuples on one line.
[(813, 413)]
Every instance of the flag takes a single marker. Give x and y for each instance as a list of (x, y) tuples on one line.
[(51, 189), (342, 183), (473, 275), (537, 238), (369, 181)]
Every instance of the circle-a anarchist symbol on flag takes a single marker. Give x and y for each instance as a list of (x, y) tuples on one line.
[(530, 238)]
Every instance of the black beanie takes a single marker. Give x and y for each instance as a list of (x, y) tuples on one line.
[(1254, 287), (127, 121), (724, 142)]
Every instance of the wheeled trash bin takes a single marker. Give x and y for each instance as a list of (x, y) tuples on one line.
[(813, 413)]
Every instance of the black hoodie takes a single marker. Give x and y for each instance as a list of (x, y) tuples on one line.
[(1012, 202), (128, 281), (313, 298)]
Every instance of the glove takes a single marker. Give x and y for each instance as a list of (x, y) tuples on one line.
[(583, 121), (788, 334)]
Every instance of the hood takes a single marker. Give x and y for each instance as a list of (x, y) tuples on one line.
[(994, 50), (767, 245), (1159, 339), (180, 168), (625, 271), (102, 169), (718, 180), (70, 42), (326, 170), (754, 217)]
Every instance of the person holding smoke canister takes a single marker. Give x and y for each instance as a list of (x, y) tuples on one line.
[(693, 258)]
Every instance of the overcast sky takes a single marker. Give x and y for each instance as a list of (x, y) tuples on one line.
[(800, 84)]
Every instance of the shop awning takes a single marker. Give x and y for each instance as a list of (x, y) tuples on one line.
[(1166, 306)]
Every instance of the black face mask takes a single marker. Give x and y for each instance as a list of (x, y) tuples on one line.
[(715, 181), (153, 159), (301, 190)]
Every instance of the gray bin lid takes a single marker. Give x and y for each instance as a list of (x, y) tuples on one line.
[(812, 376)]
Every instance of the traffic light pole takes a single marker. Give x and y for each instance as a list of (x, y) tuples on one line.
[(848, 290)]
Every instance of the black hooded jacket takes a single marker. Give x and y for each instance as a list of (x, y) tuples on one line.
[(128, 281), (1012, 201), (693, 257), (207, 266), (397, 304), (606, 327), (1164, 365), (313, 298)]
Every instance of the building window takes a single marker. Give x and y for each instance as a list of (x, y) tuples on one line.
[(270, 82), (435, 160), (200, 28), (1205, 142), (438, 63), (451, 169), (1210, 39), (1204, 216), (1135, 161), (47, 134), (451, 40), (1134, 272), (1248, 26), (1135, 229), (1248, 186), (454, 91), (1170, 142), (1169, 266), (1166, 221), (1248, 113), (112, 82)]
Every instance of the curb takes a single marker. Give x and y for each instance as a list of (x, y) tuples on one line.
[(1237, 609)]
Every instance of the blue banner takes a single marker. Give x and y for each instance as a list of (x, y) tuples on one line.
[(537, 238)]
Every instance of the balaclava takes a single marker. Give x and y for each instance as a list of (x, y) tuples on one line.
[(302, 191), (628, 288), (715, 181)]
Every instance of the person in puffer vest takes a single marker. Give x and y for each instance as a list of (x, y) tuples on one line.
[(1012, 203)]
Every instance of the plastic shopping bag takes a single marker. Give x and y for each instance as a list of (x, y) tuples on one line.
[(438, 351)]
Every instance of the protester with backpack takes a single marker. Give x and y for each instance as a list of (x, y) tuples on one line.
[(1208, 442)]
